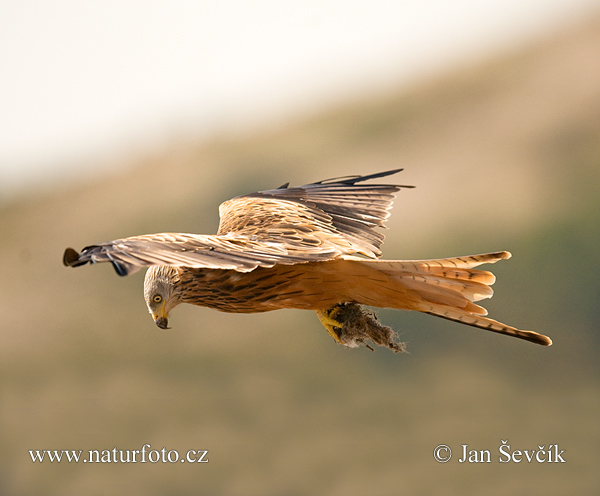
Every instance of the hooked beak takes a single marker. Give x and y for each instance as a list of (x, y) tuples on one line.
[(161, 319), (162, 322)]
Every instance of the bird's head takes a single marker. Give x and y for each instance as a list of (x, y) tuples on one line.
[(161, 293)]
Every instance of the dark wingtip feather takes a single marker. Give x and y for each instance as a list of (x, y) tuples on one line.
[(71, 258), (351, 180), (357, 179), (121, 269)]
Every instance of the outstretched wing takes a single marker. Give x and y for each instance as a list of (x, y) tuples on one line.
[(316, 222), (239, 253), (338, 209)]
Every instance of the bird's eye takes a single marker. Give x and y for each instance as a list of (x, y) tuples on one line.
[(157, 298)]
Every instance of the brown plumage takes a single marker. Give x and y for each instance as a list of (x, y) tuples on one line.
[(313, 247)]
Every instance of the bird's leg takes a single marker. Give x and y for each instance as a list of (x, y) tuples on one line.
[(327, 318)]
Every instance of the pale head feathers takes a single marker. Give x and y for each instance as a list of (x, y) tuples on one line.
[(160, 288)]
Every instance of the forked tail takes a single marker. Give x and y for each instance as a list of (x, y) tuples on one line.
[(446, 288)]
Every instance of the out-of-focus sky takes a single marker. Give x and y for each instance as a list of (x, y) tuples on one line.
[(84, 82)]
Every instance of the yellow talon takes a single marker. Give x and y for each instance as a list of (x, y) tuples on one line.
[(327, 318)]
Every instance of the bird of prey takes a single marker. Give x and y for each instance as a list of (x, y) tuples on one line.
[(313, 247)]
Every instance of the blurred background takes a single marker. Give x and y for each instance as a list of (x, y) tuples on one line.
[(123, 118)]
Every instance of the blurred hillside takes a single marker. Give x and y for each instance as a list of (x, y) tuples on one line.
[(505, 155)]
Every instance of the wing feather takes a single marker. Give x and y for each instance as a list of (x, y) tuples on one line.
[(128, 255), (344, 212), (316, 222)]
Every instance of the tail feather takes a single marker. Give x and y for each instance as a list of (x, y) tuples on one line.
[(464, 317), (446, 288)]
